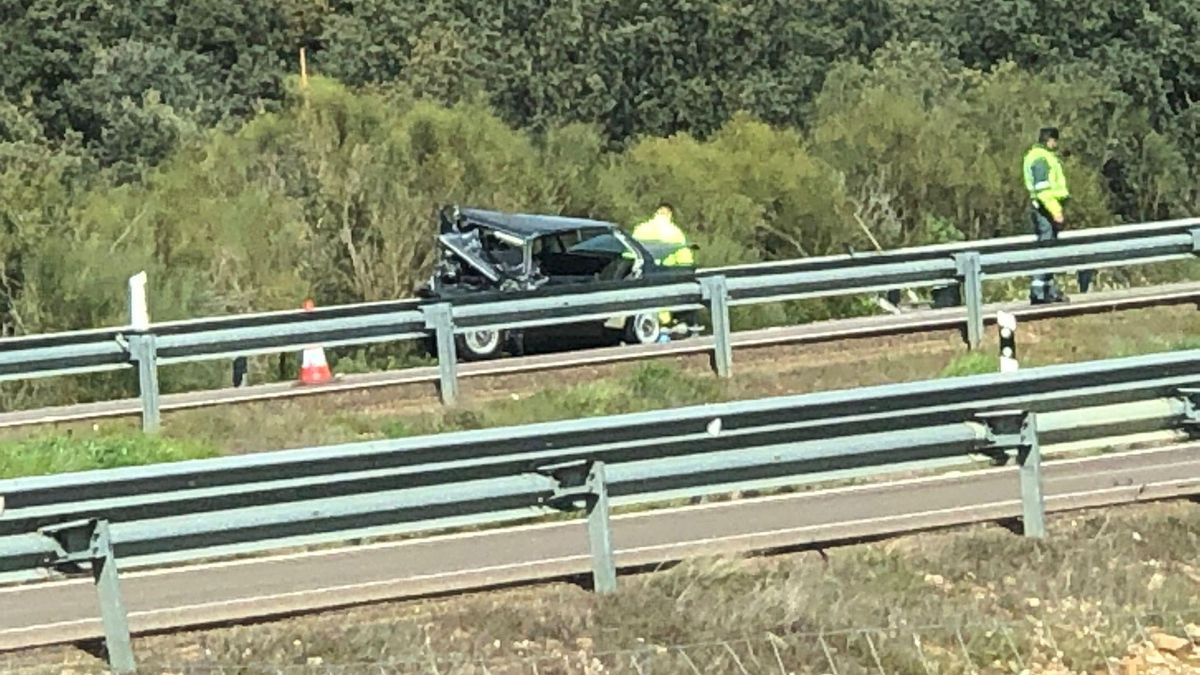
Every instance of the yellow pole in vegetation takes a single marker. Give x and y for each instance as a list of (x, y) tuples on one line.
[(875, 242), (303, 70)]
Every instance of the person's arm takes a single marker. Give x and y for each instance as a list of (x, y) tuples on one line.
[(1041, 187)]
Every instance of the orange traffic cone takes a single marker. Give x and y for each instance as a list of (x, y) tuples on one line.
[(313, 367)]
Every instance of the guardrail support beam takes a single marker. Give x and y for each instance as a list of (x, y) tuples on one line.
[(144, 351), (716, 292), (90, 541), (1017, 430), (1190, 397), (970, 276), (441, 321), (604, 568)]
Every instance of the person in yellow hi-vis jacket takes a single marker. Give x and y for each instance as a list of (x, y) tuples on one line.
[(1047, 187), (661, 229), (667, 243)]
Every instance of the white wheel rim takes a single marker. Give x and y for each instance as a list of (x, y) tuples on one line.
[(645, 327), (482, 341)]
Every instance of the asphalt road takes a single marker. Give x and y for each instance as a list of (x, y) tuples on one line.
[(66, 611), (874, 326)]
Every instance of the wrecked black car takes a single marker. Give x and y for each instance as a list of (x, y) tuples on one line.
[(488, 251)]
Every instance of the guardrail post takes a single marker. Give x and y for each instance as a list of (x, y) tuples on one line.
[(1017, 430), (604, 567), (970, 276), (144, 351), (585, 480), (90, 541), (1033, 503), (716, 292), (439, 318)]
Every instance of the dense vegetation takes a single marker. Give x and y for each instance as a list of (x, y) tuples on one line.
[(175, 137)]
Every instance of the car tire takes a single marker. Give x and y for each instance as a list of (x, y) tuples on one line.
[(480, 345), (642, 328)]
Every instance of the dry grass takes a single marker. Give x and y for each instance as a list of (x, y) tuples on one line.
[(975, 600)]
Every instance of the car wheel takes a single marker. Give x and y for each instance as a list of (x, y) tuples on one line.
[(642, 328), (477, 345)]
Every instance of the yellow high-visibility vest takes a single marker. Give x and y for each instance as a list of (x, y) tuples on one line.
[(1044, 179), (660, 230)]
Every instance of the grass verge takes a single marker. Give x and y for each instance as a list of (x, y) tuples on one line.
[(60, 454)]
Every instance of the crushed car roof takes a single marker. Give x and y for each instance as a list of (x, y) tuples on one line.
[(527, 225)]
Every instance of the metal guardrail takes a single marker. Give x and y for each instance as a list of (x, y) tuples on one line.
[(966, 264), (996, 245), (193, 510)]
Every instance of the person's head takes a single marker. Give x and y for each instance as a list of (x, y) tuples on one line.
[(1048, 137), (665, 210)]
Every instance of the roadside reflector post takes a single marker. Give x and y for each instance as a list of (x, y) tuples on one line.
[(1016, 430), (439, 319), (89, 541), (585, 481), (715, 292), (143, 351), (1006, 323), (970, 278), (139, 313)]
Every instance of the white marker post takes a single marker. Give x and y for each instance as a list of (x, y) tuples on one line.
[(139, 313), (144, 352), (1008, 341)]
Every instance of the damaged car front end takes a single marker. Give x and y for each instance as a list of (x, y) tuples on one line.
[(483, 252)]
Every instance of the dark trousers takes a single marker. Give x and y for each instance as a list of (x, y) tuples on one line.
[(1043, 287)]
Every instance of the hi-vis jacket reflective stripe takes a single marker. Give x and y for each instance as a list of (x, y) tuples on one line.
[(1044, 179)]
